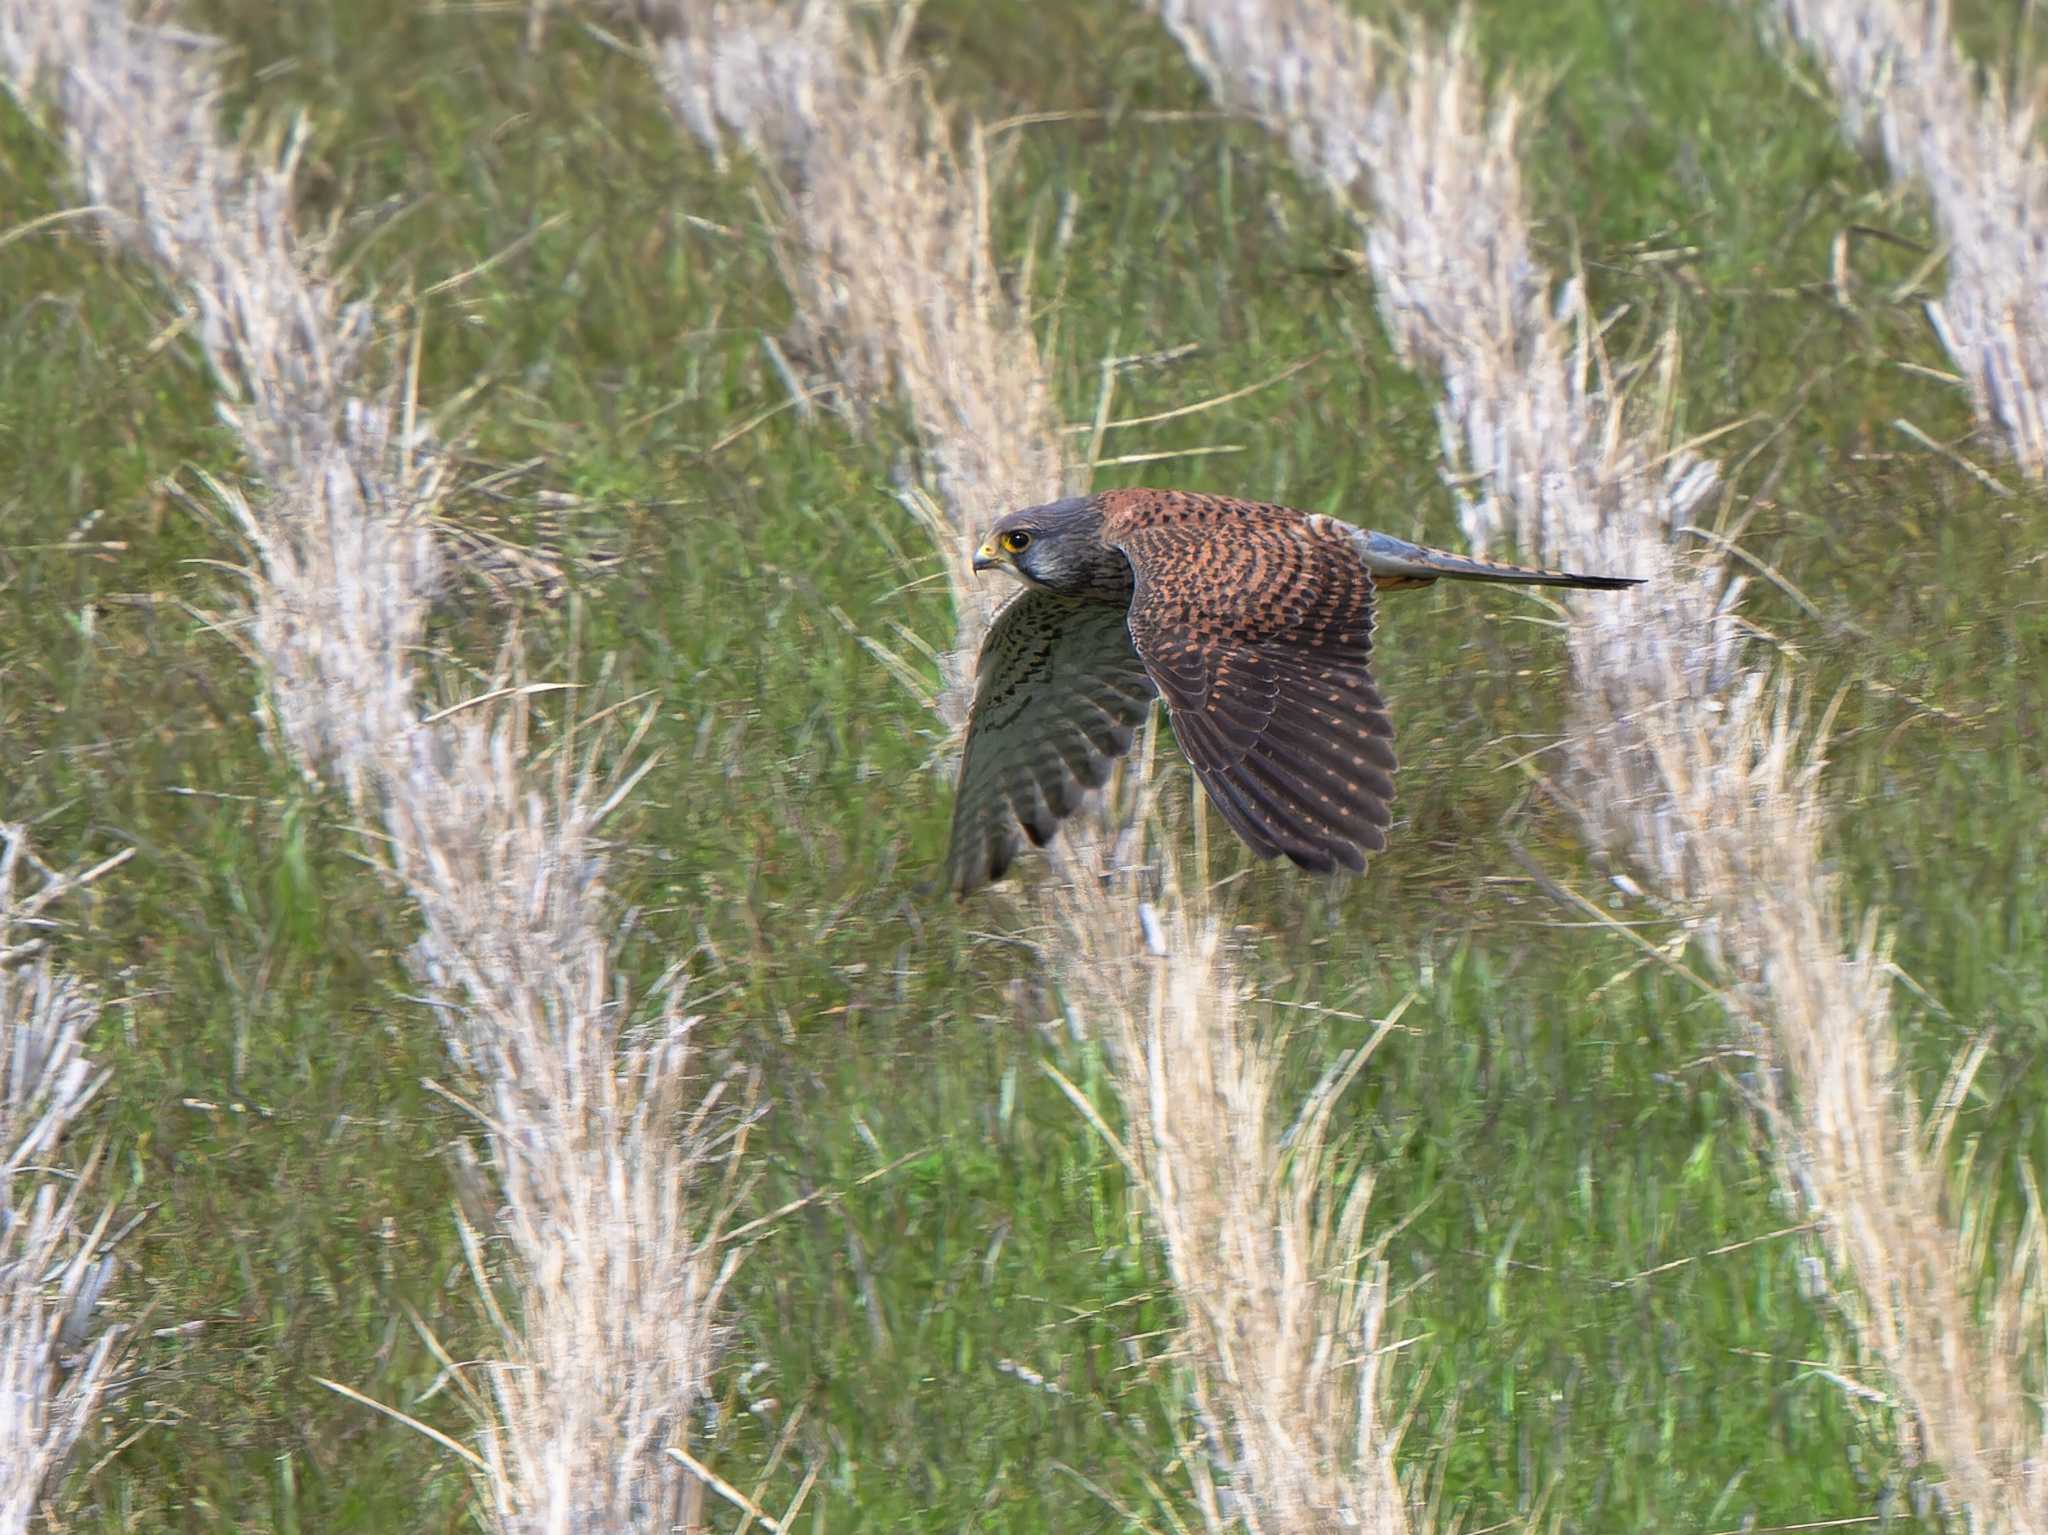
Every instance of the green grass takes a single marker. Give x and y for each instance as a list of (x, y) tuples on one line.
[(1545, 1129)]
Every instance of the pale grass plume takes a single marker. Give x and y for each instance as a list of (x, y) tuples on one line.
[(1402, 135), (1855, 1145), (1683, 753), (884, 239), (1688, 757), (57, 1356), (1903, 84), (605, 1139), (886, 248), (349, 561), (1263, 1222), (618, 1166)]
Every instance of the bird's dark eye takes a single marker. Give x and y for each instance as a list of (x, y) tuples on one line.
[(1016, 541)]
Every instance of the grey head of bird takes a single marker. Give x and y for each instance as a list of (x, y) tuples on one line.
[(1058, 548)]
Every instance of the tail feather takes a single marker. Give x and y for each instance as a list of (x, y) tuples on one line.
[(1396, 562)]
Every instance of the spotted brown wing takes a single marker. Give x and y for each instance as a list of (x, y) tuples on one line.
[(1058, 694), (1256, 624)]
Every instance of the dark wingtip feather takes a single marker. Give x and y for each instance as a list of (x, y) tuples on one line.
[(984, 864), (1607, 583)]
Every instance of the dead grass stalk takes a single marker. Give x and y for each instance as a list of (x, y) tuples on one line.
[(1264, 1225), (56, 1357), (602, 1137), (885, 235), (1905, 87), (1685, 753), (885, 246)]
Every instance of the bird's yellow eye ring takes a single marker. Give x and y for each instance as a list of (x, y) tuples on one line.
[(1016, 541)]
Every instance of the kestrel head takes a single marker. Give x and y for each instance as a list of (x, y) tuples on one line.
[(1058, 547)]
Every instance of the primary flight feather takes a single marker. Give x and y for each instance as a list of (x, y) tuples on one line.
[(1253, 623)]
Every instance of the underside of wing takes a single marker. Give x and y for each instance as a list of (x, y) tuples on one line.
[(1059, 692), (1258, 632)]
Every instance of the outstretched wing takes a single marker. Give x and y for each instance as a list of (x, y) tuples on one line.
[(1256, 624), (1059, 691)]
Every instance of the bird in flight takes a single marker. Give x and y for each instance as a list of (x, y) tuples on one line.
[(1253, 622)]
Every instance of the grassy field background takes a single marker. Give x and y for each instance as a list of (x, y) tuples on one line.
[(974, 1337)]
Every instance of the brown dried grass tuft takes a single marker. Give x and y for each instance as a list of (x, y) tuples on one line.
[(885, 241), (1684, 752), (56, 1358), (608, 1145), (1904, 85)]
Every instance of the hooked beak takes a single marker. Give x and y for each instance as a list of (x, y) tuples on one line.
[(986, 558)]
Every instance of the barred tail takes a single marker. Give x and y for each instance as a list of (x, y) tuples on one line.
[(1396, 562)]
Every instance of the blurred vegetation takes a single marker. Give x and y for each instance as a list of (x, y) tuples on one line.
[(1611, 1321)]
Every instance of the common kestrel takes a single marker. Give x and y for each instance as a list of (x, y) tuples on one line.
[(1253, 622)]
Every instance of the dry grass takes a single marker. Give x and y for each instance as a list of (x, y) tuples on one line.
[(1903, 84), (1682, 751), (1853, 1142), (886, 249), (56, 1358), (342, 539), (1264, 1226), (602, 1137), (608, 1150)]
